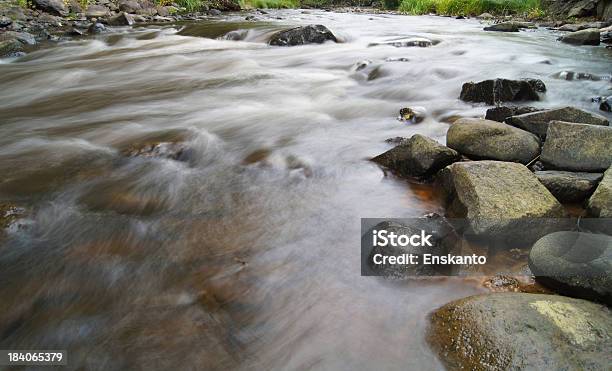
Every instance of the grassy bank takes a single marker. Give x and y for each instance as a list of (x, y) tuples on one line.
[(250, 4), (469, 7)]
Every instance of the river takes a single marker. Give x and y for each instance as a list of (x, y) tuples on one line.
[(246, 254)]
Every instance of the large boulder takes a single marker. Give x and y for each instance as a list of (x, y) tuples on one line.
[(96, 11), (312, 34), (590, 36), (502, 90), (418, 157), (537, 122), (567, 186), (519, 331), (56, 7), (575, 264), (485, 139), (501, 113), (600, 203), (122, 19), (501, 200), (577, 147), (129, 6)]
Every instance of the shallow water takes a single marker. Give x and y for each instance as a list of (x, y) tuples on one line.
[(246, 254)]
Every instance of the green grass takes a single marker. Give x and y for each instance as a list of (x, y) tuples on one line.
[(263, 4), (469, 7)]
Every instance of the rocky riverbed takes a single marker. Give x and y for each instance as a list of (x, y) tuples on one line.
[(185, 191)]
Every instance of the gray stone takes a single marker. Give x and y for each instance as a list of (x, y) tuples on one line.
[(129, 6), (509, 26), (500, 200), (420, 42), (96, 11), (590, 36), (575, 264), (56, 7), (537, 122), (568, 186), (418, 156), (577, 147), (122, 19), (520, 331), (502, 90), (501, 113), (600, 203), (485, 139), (9, 48), (23, 37), (312, 34), (5, 22), (96, 28)]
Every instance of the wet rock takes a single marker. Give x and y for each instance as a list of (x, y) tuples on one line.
[(537, 122), (519, 331), (414, 115), (485, 139), (23, 37), (5, 22), (10, 48), (501, 113), (502, 90), (575, 264), (96, 28), (568, 186), (214, 12), (502, 283), (235, 35), (56, 7), (420, 42), (577, 147), (395, 140), (444, 240), (509, 26), (9, 213), (367, 71), (418, 157), (589, 36), (573, 27), (500, 200), (600, 203), (571, 75), (122, 19), (605, 103), (129, 6), (169, 150), (485, 16), (96, 11), (312, 34)]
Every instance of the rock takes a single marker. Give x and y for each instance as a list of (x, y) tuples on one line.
[(23, 37), (605, 103), (96, 28), (606, 37), (519, 331), (214, 12), (571, 75), (600, 203), (573, 27), (312, 34), (5, 22), (584, 8), (509, 26), (122, 19), (8, 48), (367, 71), (56, 7), (537, 122), (485, 16), (418, 157), (575, 264), (163, 11), (167, 150), (96, 11), (129, 6), (500, 200), (485, 139), (568, 186), (501, 113), (577, 147), (444, 239), (502, 90), (590, 36), (420, 42), (414, 115)]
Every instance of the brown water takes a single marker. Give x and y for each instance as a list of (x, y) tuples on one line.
[(246, 255)]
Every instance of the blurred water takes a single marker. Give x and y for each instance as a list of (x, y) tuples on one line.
[(246, 255)]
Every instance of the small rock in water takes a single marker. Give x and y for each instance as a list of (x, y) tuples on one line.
[(366, 70), (589, 36), (401, 59), (395, 140), (575, 264), (235, 35), (571, 75), (569, 186), (502, 283), (502, 90), (485, 16), (173, 151), (501, 113), (420, 42), (96, 28), (312, 34), (605, 103), (600, 203), (509, 26), (414, 115)]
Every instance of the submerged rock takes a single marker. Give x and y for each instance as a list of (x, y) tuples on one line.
[(518, 331), (577, 147), (312, 34), (485, 139), (537, 122), (420, 42), (502, 90), (600, 203), (571, 75), (575, 264), (590, 36), (418, 156), (501, 200), (172, 151), (568, 186), (501, 113)]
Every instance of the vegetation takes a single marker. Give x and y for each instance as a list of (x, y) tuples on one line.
[(249, 4), (469, 7)]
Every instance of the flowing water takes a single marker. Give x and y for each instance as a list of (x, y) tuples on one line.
[(245, 253)]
